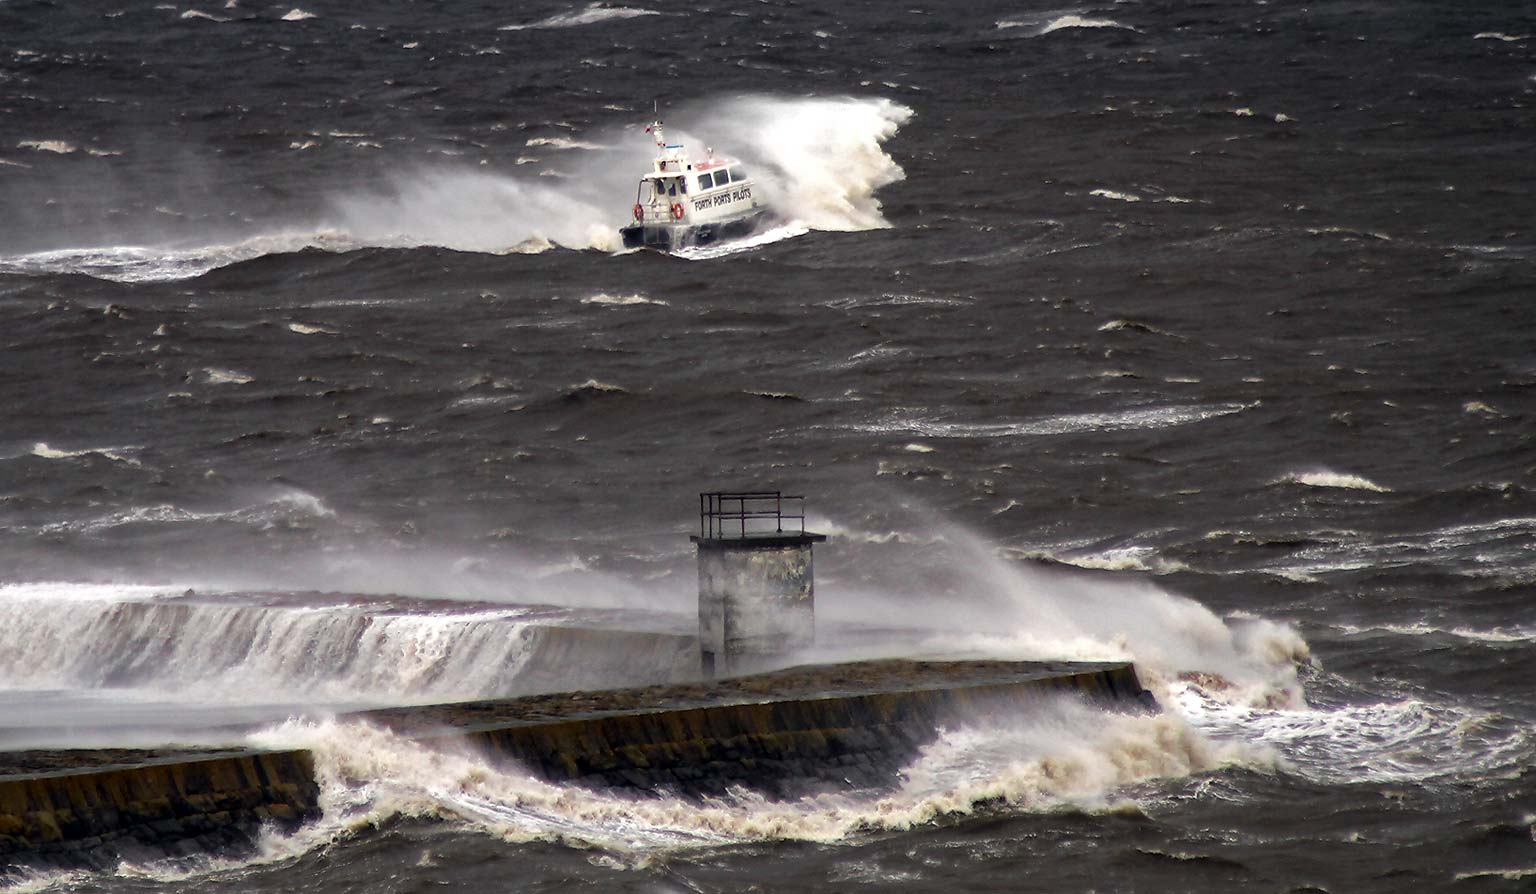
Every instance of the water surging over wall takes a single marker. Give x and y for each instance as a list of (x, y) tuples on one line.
[(1064, 753), (244, 652)]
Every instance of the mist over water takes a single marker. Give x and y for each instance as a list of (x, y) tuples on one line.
[(1191, 337)]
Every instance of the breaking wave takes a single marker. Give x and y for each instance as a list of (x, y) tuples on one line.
[(594, 13), (966, 598), (1063, 753), (1327, 478)]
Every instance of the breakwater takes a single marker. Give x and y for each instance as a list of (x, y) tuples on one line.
[(785, 734)]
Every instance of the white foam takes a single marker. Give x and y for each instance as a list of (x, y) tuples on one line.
[(59, 147), (1041, 26), (1328, 478), (307, 329), (216, 376), (1141, 418), (818, 161), (592, 14), (1127, 558), (1409, 741), (239, 654), (1077, 21), (116, 454), (563, 143), (287, 506), (1500, 35), (1118, 196), (748, 243), (297, 15), (1495, 635), (141, 263), (44, 592), (1061, 754), (621, 300)]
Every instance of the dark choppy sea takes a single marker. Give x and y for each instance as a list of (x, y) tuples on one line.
[(1199, 333)]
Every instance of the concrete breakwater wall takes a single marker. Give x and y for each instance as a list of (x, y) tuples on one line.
[(97, 816), (784, 734)]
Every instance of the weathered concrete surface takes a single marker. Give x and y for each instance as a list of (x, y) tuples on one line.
[(784, 734), (98, 816), (757, 599)]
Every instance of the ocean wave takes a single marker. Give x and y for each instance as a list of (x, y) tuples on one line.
[(1328, 478), (1118, 196), (119, 454), (1128, 558), (563, 143), (1500, 36), (1409, 741), (592, 14), (286, 506), (141, 263), (58, 147), (622, 300), (1139, 418), (1494, 635), (1040, 25), (1063, 753)]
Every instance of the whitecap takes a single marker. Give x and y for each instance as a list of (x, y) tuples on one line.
[(1118, 196), (213, 375), (1140, 418), (622, 300), (306, 329), (593, 14), (1072, 20), (116, 454), (59, 147), (1328, 478), (297, 15), (1127, 558), (562, 143)]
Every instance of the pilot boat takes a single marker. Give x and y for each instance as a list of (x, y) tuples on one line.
[(681, 202)]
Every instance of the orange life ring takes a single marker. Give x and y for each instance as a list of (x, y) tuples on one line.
[(639, 212), (677, 211)]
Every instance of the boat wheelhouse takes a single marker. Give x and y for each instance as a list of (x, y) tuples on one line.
[(682, 202)]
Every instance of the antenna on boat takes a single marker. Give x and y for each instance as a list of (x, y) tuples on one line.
[(655, 129)]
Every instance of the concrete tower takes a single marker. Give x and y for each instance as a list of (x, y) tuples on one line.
[(757, 595)]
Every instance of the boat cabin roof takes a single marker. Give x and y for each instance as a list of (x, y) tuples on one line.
[(697, 167)]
